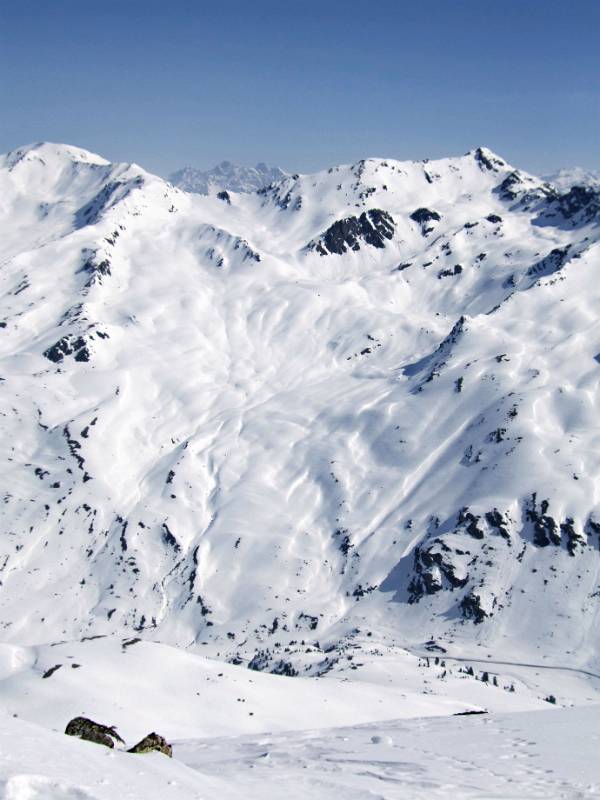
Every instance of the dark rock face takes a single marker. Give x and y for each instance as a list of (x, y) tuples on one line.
[(497, 522), (224, 196), (551, 263), (68, 345), (447, 561), (433, 565), (470, 607), (424, 216), (91, 731), (372, 227), (571, 536), (519, 187), (510, 187), (545, 529), (447, 273), (152, 743), (470, 522), (582, 202), (96, 270), (487, 161)]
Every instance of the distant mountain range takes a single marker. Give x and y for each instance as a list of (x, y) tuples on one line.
[(564, 179), (244, 180), (228, 176)]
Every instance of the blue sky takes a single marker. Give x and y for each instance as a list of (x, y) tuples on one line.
[(303, 84)]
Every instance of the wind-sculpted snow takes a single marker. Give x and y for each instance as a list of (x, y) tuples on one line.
[(215, 436)]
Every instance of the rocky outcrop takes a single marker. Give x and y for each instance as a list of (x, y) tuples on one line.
[(373, 227), (152, 743), (425, 217), (90, 731), (471, 608), (67, 346)]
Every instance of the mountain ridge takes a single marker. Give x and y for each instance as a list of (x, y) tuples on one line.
[(226, 176)]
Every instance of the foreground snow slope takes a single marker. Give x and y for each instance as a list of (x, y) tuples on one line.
[(549, 754), (351, 413)]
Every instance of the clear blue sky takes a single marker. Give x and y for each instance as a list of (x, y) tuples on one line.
[(303, 84)]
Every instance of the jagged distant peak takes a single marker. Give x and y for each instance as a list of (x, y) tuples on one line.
[(226, 175), (565, 178)]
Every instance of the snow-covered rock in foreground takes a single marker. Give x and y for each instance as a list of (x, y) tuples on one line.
[(226, 176)]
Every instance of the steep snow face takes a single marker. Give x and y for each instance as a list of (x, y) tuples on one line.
[(226, 176), (361, 403)]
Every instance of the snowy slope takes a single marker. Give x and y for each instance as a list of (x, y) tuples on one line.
[(352, 414), (521, 756), (226, 176)]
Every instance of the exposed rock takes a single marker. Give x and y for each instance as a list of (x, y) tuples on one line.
[(373, 227), (471, 608), (488, 160), (91, 731), (49, 672), (551, 263), (308, 619), (567, 529), (582, 202), (152, 742), (68, 345), (496, 521), (545, 529), (511, 186), (446, 273), (96, 270), (424, 216), (470, 523), (433, 564)]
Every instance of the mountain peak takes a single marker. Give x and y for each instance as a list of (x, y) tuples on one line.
[(226, 175), (488, 159), (52, 151)]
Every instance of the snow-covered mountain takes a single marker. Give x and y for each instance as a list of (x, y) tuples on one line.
[(351, 414), (564, 179), (226, 176)]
